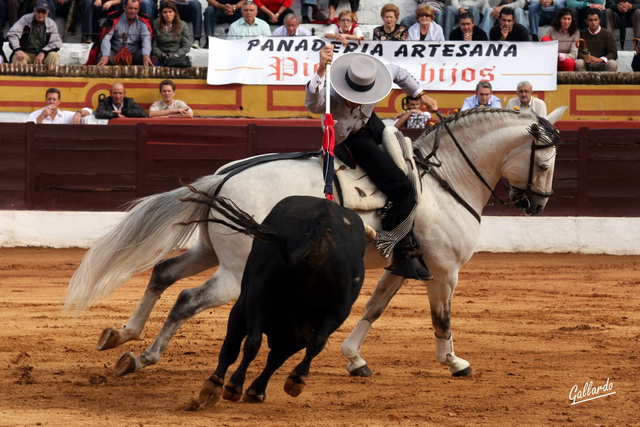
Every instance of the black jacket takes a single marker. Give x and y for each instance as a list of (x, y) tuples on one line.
[(477, 34), (129, 109)]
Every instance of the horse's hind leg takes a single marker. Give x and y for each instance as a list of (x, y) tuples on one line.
[(387, 287), (165, 274), (220, 289)]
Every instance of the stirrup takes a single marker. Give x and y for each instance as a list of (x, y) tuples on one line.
[(407, 260)]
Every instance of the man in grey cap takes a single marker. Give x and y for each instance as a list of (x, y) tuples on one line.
[(358, 82), (34, 38)]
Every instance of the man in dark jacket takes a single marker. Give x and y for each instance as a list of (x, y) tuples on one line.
[(507, 29), (467, 29), (118, 105)]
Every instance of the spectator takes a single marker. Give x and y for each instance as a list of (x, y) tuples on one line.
[(541, 12), (169, 107), (130, 35), (458, 8), (171, 36), (51, 113), (333, 5), (425, 28), (249, 25), (93, 10), (34, 38), (483, 98), (437, 7), (524, 101), (346, 30), (492, 13), (580, 9), (273, 11), (316, 15), (601, 46), (390, 30), (220, 12), (508, 30), (191, 11), (291, 27), (622, 14), (118, 105), (413, 117), (564, 29), (467, 30)]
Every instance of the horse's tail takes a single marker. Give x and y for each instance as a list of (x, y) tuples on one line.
[(155, 227)]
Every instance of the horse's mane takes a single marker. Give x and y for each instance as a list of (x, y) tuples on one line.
[(548, 135)]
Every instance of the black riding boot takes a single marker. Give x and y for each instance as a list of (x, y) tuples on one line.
[(407, 260)]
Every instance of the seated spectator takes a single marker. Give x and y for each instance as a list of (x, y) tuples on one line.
[(413, 117), (525, 101), (249, 25), (541, 12), (437, 7), (118, 105), (220, 12), (600, 44), (580, 9), (457, 8), (492, 13), (564, 29), (291, 27), (94, 10), (346, 30), (333, 5), (316, 15), (52, 114), (483, 98), (128, 42), (171, 36), (425, 28), (622, 14), (467, 30), (169, 107), (34, 38), (508, 30), (390, 30), (191, 11), (273, 11)]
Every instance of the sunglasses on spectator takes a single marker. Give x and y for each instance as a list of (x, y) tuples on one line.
[(41, 11), (423, 15)]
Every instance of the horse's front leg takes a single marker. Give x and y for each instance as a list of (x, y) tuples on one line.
[(440, 296), (165, 274), (385, 290)]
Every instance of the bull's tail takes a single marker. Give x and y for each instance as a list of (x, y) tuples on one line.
[(149, 233)]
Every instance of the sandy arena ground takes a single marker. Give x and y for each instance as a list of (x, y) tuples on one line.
[(532, 325)]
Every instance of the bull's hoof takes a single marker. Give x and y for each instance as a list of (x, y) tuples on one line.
[(126, 364), (211, 391), (108, 339), (466, 372), (232, 393), (251, 396), (294, 384), (362, 371)]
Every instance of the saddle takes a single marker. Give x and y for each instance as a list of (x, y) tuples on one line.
[(355, 190)]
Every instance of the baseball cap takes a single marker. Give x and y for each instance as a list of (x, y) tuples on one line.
[(41, 4)]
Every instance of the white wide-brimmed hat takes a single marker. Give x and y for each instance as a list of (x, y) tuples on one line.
[(360, 78)]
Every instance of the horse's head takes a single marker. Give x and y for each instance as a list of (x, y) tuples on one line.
[(530, 171)]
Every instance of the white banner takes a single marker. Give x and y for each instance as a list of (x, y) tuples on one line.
[(443, 66)]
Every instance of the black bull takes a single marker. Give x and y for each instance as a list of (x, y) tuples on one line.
[(303, 274)]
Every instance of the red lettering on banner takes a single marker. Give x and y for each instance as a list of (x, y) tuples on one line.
[(290, 67), (453, 75)]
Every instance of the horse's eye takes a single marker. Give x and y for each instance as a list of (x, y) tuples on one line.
[(543, 166)]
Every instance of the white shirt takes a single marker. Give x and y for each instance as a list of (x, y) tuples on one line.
[(282, 31), (61, 118), (536, 105)]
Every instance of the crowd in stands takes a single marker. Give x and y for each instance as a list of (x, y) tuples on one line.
[(138, 32)]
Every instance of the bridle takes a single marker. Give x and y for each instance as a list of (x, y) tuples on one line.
[(549, 137)]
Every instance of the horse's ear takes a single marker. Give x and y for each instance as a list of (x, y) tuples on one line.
[(556, 114)]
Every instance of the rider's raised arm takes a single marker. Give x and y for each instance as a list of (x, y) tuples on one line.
[(410, 85)]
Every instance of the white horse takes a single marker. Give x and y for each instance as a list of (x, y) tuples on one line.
[(468, 152)]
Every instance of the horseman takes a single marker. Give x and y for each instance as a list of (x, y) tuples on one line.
[(358, 82)]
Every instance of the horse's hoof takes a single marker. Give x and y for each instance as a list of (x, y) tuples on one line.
[(362, 371), (466, 372), (126, 364), (211, 392), (108, 339), (294, 385), (251, 396), (232, 393)]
